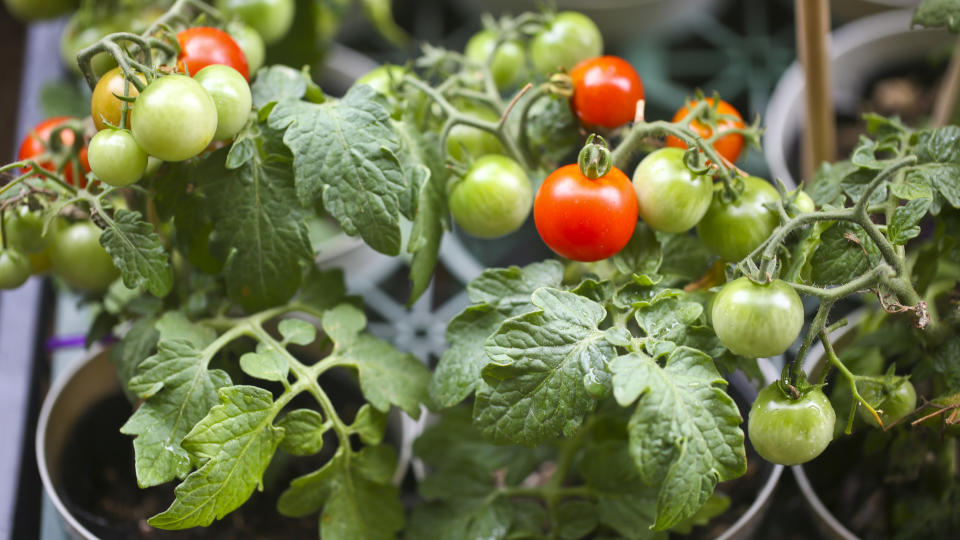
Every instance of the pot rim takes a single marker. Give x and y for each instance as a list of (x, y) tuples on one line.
[(814, 504)]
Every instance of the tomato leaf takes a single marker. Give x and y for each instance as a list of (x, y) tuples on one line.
[(303, 431), (277, 83), (540, 363), (668, 315), (845, 252), (904, 224), (370, 424), (178, 391), (138, 253), (359, 177), (623, 501), (942, 177), (827, 182), (642, 254), (685, 432), (356, 496), (941, 145), (498, 293), (235, 441), (387, 376)]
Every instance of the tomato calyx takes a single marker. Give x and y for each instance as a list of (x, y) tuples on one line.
[(595, 159)]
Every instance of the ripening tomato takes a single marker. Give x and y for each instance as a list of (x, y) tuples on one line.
[(728, 146), (790, 431), (606, 90), (202, 46), (35, 144)]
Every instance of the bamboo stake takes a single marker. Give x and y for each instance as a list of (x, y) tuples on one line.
[(820, 137), (948, 92)]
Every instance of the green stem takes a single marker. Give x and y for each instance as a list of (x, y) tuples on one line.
[(851, 380)]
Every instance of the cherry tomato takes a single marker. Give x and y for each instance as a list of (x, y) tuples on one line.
[(672, 198), (728, 146), (231, 94), (105, 107), (24, 230), (250, 43), (476, 142), (80, 260), (174, 118), (892, 401), (568, 38), (493, 199), (803, 202), (585, 219), (35, 143), (605, 91), (790, 431), (734, 229), (116, 158), (757, 320), (14, 268), (80, 33), (203, 46), (509, 62), (270, 18)]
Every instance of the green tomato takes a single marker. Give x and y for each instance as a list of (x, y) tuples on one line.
[(790, 431), (270, 18), (231, 94), (803, 202), (891, 402), (14, 268), (116, 158), (493, 199), (509, 62), (383, 79), (672, 198), (79, 35), (174, 118), (80, 260), (757, 320), (250, 43), (34, 10), (463, 139), (568, 38), (734, 229), (25, 230)]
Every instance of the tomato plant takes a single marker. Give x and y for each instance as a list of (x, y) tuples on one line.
[(757, 320), (464, 140), (272, 19), (509, 61), (231, 95), (892, 399), (174, 118), (105, 107), (790, 431), (24, 230), (37, 142), (734, 228), (493, 198), (79, 259), (568, 39), (672, 198), (584, 212), (116, 158), (606, 90), (202, 46), (726, 116), (14, 268)]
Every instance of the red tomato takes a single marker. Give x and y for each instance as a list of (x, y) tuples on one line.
[(605, 91), (35, 144), (202, 46), (728, 146), (583, 219)]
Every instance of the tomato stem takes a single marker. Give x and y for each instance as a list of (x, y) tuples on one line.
[(594, 159)]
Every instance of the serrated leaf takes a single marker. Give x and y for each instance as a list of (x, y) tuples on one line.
[(138, 253), (303, 431), (277, 83), (684, 256), (903, 226), (668, 316), (685, 432), (174, 324), (855, 185), (914, 186), (845, 252), (137, 344), (297, 332), (642, 254), (387, 376), (236, 441), (941, 145), (538, 363), (942, 177), (826, 182), (343, 324), (500, 293), (370, 425), (257, 229), (346, 152), (179, 390), (269, 365)]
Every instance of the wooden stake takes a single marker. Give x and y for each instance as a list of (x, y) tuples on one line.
[(820, 136), (948, 92)]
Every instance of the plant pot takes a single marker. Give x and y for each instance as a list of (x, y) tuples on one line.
[(87, 384), (859, 51)]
